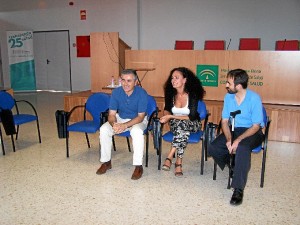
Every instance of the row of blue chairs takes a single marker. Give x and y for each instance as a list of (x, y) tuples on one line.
[(158, 136), (97, 106)]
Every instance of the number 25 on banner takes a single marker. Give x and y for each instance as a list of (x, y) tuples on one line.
[(15, 42)]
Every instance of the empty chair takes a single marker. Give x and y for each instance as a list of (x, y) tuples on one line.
[(184, 45), (249, 44), (287, 45), (95, 105), (7, 102), (214, 45)]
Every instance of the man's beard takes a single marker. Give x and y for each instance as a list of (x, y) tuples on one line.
[(231, 91)]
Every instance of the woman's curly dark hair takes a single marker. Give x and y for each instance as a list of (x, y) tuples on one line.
[(192, 86)]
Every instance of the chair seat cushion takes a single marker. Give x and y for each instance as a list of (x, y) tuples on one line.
[(24, 118), (257, 149), (87, 126), (194, 137), (124, 134)]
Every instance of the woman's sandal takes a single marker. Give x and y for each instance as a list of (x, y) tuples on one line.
[(178, 174), (165, 167)]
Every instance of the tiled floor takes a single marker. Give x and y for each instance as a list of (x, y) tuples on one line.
[(39, 185)]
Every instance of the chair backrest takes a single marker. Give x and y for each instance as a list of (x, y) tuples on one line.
[(249, 44), (265, 116), (287, 45), (202, 110), (97, 103), (214, 45), (267, 124), (184, 45), (151, 107), (6, 100)]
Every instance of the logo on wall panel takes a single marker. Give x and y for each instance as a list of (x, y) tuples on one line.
[(208, 75)]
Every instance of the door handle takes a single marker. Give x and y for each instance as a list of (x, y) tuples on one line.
[(48, 61)]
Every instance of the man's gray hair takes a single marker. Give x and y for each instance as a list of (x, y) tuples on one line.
[(130, 71)]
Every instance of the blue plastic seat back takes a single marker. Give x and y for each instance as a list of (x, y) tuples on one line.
[(265, 116), (260, 147), (97, 103), (202, 110), (151, 107), (6, 100)]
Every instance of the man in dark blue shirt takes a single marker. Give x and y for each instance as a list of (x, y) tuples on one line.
[(127, 111)]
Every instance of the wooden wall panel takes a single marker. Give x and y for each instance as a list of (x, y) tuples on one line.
[(284, 126), (107, 59), (273, 74), (75, 99)]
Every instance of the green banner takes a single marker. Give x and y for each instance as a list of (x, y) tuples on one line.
[(22, 76), (21, 60)]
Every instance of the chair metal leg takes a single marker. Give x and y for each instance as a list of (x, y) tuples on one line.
[(114, 143), (67, 144), (202, 158), (17, 132), (128, 143), (263, 168), (215, 171), (205, 145), (13, 142), (2, 144), (147, 148), (87, 140), (38, 128), (159, 154)]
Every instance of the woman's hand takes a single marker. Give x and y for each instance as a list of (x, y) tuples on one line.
[(165, 119)]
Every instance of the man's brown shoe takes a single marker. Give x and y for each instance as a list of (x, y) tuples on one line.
[(137, 173), (104, 167)]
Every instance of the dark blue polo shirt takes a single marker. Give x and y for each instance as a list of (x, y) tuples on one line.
[(128, 107)]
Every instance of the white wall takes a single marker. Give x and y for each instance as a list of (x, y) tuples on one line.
[(102, 15), (160, 23)]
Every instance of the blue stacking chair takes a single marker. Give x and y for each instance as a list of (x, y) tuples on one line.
[(197, 136), (151, 112), (263, 147), (8, 102), (95, 105)]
